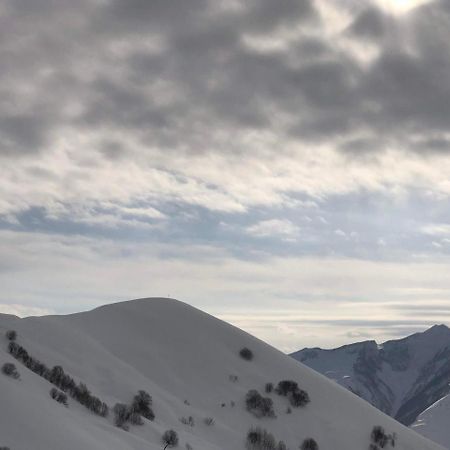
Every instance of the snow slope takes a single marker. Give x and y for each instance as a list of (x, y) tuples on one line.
[(434, 422), (177, 354), (400, 377)]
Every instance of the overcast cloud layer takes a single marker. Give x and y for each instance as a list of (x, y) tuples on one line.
[(289, 157)]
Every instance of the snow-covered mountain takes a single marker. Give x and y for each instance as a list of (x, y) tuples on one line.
[(400, 377), (190, 364)]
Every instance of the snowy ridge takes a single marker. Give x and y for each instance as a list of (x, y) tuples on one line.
[(184, 359)]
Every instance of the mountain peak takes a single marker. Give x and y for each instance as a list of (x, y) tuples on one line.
[(438, 332), (438, 328)]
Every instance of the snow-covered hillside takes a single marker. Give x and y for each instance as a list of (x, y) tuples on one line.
[(400, 377), (188, 361), (434, 422)]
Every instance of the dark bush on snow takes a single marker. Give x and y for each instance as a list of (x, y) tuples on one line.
[(60, 379), (299, 398), (135, 418), (286, 387), (258, 405), (379, 437), (121, 416), (260, 439), (82, 394), (9, 369), (246, 354), (124, 415), (141, 405), (58, 396), (11, 335), (309, 444), (170, 438)]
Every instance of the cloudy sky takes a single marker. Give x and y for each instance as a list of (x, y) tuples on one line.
[(283, 165)]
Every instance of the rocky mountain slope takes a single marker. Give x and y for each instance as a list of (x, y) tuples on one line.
[(400, 377), (190, 363)]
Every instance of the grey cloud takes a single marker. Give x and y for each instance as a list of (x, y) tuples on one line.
[(265, 15), (362, 146), (326, 84), (112, 149), (262, 15), (22, 133), (139, 15), (409, 93), (123, 105), (432, 145), (178, 73), (371, 24)]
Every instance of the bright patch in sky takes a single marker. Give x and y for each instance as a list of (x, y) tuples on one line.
[(401, 6)]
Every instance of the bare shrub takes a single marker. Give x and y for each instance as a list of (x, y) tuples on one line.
[(286, 387), (259, 439), (170, 438), (141, 405), (246, 354), (258, 405), (299, 398), (58, 396), (10, 370), (309, 444), (11, 335)]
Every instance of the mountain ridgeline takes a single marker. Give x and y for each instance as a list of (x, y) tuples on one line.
[(400, 377)]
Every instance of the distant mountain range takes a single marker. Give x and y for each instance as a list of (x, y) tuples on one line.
[(400, 377)]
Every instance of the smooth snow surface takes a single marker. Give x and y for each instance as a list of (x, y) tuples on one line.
[(176, 353), (434, 422)]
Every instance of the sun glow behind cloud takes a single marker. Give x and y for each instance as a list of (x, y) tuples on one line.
[(401, 6)]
